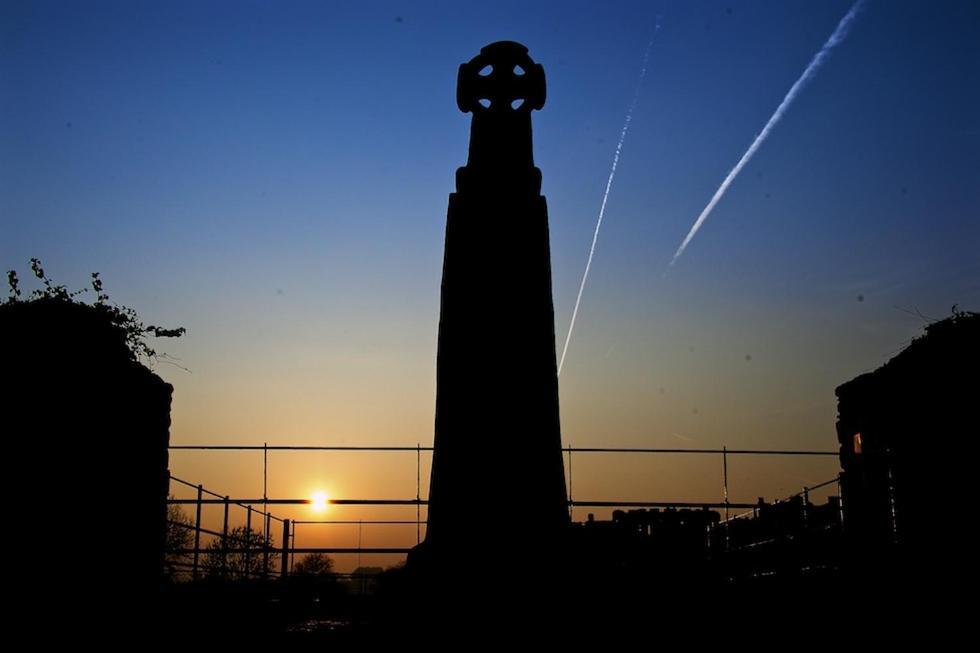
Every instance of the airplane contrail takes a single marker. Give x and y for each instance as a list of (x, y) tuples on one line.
[(605, 195), (838, 35)]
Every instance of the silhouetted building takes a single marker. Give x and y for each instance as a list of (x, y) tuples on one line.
[(907, 434), (671, 545), (497, 433)]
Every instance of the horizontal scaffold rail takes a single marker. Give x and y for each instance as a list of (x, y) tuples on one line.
[(425, 502), (306, 502), (301, 550), (315, 447), (658, 504)]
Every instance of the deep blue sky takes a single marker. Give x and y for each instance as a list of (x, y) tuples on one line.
[(274, 176)]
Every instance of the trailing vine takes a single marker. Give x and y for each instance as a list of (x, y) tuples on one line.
[(123, 318)]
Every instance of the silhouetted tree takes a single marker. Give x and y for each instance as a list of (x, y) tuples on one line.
[(314, 584), (314, 564), (245, 557), (180, 535)]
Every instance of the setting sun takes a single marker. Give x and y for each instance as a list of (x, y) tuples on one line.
[(319, 501)]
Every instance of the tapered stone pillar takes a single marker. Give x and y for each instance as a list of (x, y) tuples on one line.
[(497, 490)]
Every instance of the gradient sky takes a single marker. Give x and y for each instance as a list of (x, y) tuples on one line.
[(273, 176)]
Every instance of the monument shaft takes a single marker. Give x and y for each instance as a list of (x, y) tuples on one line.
[(497, 472)]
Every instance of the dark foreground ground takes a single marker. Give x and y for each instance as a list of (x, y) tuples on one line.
[(823, 609)]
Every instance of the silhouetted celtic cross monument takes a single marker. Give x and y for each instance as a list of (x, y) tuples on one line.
[(498, 483)]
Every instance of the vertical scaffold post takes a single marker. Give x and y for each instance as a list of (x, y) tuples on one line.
[(724, 463), (197, 530), (892, 499), (418, 492), (224, 541), (265, 484), (248, 538), (571, 504), (806, 505), (284, 567), (265, 547), (840, 502)]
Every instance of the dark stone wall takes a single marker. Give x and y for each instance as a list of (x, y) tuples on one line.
[(907, 486), (86, 433)]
